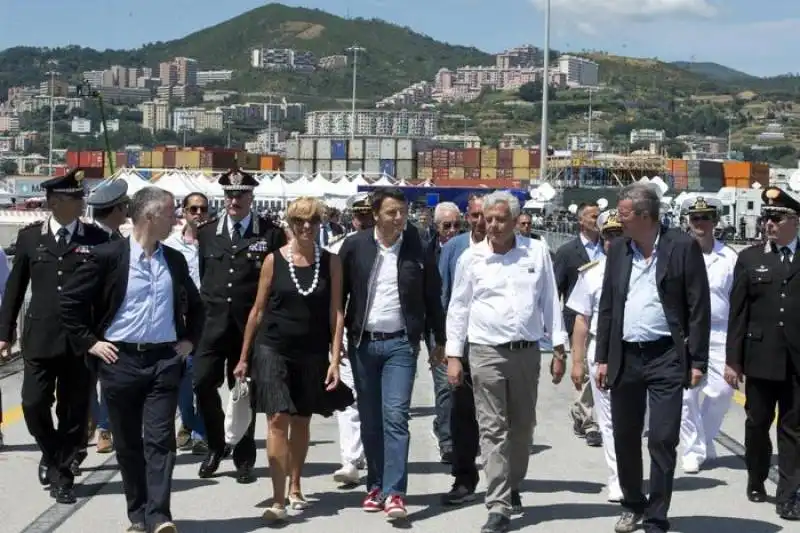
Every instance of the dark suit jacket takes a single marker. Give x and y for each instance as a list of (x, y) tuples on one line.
[(568, 259), (94, 294), (763, 337), (684, 293)]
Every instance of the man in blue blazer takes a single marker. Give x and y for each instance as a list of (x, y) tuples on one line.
[(463, 424)]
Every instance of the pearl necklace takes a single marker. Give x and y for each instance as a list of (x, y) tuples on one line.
[(305, 292)]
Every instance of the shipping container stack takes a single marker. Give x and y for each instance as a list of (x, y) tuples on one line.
[(462, 167), (743, 174), (336, 157), (704, 176), (679, 171)]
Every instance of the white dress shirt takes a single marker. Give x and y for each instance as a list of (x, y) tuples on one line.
[(384, 314), (720, 263), (190, 251), (501, 298), (243, 225), (55, 227), (585, 296)]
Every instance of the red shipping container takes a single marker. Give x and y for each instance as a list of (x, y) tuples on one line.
[(455, 158), (59, 171), (440, 153), (84, 158), (505, 158), (472, 158), (681, 183), (223, 160), (73, 159), (96, 159), (93, 172), (441, 173), (472, 173), (505, 173), (536, 158), (121, 160), (206, 159), (427, 159), (169, 159)]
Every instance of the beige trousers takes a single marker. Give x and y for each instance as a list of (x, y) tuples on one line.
[(505, 384)]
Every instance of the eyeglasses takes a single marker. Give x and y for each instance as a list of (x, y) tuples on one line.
[(196, 209), (449, 225), (701, 218), (299, 221)]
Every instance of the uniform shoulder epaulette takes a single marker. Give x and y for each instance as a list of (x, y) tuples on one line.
[(587, 266), (337, 238), (207, 222), (35, 224)]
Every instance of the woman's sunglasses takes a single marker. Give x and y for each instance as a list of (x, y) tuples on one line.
[(299, 221)]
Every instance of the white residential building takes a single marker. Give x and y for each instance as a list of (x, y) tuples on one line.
[(204, 77), (282, 59), (81, 125), (580, 72), (371, 123), (581, 142), (648, 136), (9, 124), (196, 119), (155, 115)]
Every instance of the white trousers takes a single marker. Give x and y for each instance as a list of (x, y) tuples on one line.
[(602, 415), (352, 449), (702, 418)]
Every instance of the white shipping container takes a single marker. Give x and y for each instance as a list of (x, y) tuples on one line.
[(388, 149), (307, 149), (292, 166), (355, 150), (405, 149), (405, 170), (372, 149), (307, 166), (338, 166), (323, 148), (292, 149), (323, 165), (372, 166)]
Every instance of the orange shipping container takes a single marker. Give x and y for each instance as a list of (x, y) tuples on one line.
[(441, 173), (488, 158), (270, 162), (737, 169), (472, 157), (678, 166), (522, 158), (158, 159), (488, 173)]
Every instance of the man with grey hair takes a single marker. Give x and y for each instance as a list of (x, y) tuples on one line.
[(134, 307), (652, 342), (504, 299)]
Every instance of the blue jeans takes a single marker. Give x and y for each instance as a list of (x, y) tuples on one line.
[(384, 373), (99, 409), (190, 417)]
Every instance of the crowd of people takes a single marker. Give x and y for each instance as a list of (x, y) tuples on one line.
[(320, 319)]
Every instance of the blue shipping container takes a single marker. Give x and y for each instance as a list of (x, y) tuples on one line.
[(388, 167), (133, 159), (339, 150)]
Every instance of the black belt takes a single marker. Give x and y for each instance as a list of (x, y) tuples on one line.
[(649, 346), (143, 346), (517, 345), (383, 336)]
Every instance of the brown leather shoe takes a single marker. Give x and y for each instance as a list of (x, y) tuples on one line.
[(104, 442)]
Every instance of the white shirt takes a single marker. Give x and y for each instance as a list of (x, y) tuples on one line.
[(385, 314), (500, 298), (585, 296), (55, 226), (720, 264), (243, 225), (189, 250)]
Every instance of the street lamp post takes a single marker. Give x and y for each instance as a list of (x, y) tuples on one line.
[(545, 94), (52, 74), (355, 49)]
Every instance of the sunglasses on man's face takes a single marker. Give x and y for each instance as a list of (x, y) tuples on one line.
[(701, 218), (777, 218), (449, 225), (197, 209)]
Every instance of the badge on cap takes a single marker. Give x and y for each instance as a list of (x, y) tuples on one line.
[(772, 195), (79, 176), (236, 179), (700, 203)]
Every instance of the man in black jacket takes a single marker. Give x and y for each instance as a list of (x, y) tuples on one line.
[(392, 291), (652, 342), (134, 307), (231, 251), (764, 345), (48, 252)]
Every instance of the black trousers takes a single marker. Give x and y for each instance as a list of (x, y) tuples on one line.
[(213, 362), (654, 370), (65, 381), (762, 398), (141, 393), (464, 429)]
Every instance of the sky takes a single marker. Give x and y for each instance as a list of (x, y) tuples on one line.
[(757, 37)]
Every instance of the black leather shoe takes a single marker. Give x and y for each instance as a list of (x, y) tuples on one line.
[(593, 438), (44, 478), (137, 527), (245, 475), (757, 494), (496, 523), (210, 464), (75, 468), (65, 495)]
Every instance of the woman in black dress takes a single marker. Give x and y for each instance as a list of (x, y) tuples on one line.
[(296, 319)]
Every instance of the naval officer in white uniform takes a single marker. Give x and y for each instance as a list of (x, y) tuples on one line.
[(352, 449), (585, 301), (701, 418)]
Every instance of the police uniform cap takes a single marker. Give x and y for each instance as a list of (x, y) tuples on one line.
[(701, 205), (237, 180), (359, 203), (776, 200), (608, 221), (108, 194), (69, 183)]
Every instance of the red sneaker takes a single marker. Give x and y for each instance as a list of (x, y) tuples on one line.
[(395, 507), (372, 503)]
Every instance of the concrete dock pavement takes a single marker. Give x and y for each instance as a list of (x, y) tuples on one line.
[(564, 491)]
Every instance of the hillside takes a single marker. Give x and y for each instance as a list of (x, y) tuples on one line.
[(395, 57), (714, 71)]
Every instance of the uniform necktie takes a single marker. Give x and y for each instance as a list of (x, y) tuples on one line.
[(237, 233), (786, 256), (63, 233), (323, 237)]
